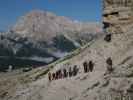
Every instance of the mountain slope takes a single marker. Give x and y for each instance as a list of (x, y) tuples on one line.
[(42, 37), (92, 85), (96, 85)]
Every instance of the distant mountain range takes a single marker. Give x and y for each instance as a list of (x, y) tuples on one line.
[(45, 37)]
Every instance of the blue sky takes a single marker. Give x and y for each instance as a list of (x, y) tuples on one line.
[(83, 10)]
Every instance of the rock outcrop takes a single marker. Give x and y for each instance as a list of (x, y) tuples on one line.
[(117, 15)]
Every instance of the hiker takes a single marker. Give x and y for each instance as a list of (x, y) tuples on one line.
[(85, 65), (57, 75), (109, 65), (53, 76), (65, 73), (60, 74), (70, 72), (108, 37), (91, 66), (49, 76), (75, 70)]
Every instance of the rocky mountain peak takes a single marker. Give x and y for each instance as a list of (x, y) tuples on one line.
[(38, 14), (46, 25)]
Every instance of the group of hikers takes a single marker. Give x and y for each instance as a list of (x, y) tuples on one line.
[(64, 73), (72, 71), (88, 66)]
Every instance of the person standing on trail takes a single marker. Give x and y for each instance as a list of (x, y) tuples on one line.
[(53, 76), (60, 74), (85, 65), (49, 76), (56, 75), (109, 65), (91, 66), (70, 72), (75, 70), (65, 74)]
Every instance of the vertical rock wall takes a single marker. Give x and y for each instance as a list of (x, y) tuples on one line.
[(117, 16)]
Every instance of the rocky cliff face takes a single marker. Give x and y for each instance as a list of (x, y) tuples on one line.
[(117, 15)]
